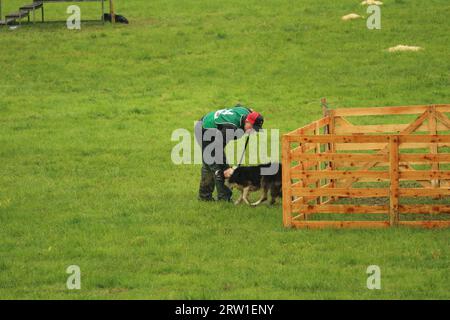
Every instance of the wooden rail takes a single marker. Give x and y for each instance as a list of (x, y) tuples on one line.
[(332, 161)]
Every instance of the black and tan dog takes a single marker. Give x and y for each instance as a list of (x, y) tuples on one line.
[(253, 178)]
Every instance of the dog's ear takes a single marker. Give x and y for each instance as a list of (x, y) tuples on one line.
[(233, 176)]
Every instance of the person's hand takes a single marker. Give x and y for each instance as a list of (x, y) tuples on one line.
[(227, 173)]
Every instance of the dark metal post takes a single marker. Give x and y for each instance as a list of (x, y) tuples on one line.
[(103, 11)]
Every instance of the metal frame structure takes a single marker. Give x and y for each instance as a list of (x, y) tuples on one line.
[(25, 10)]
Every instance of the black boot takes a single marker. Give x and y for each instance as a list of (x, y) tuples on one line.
[(223, 192), (206, 184)]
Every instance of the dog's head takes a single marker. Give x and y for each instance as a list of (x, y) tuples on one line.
[(233, 180), (237, 176)]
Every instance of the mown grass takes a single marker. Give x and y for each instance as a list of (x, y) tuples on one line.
[(86, 119)]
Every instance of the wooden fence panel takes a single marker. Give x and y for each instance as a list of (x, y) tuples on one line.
[(322, 166)]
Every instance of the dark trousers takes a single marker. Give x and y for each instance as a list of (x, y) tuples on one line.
[(211, 174)]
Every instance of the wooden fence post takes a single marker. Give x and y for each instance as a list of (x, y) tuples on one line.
[(432, 126), (329, 147), (286, 185), (332, 147), (112, 11), (324, 104), (318, 167), (394, 180)]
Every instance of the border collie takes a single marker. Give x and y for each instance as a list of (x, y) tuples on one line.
[(252, 178)]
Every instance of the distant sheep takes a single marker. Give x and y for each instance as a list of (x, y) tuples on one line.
[(401, 47), (351, 16)]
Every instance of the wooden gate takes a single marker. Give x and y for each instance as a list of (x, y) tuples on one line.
[(387, 171)]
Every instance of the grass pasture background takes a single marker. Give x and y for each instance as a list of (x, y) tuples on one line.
[(85, 124)]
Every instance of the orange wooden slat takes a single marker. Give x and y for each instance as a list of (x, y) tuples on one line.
[(419, 158), (286, 182), (339, 174), (339, 157), (424, 175), (424, 192), (373, 111), (368, 138), (395, 181), (340, 224), (341, 192), (340, 209)]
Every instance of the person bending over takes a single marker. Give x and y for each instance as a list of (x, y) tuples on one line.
[(213, 132)]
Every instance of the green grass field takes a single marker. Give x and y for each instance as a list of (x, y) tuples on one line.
[(85, 124)]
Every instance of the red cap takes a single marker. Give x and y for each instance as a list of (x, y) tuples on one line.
[(252, 117), (256, 119)]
